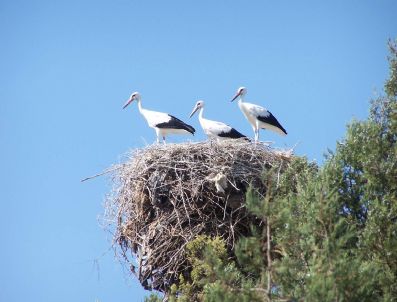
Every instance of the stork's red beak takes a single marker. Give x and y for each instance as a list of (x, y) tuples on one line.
[(128, 102), (235, 97), (194, 111)]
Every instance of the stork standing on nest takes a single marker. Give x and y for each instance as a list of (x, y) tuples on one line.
[(257, 116), (162, 123), (215, 129)]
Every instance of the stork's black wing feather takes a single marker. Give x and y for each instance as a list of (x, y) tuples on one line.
[(176, 123), (233, 133), (271, 120)]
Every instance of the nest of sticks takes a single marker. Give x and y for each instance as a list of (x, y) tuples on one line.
[(166, 195)]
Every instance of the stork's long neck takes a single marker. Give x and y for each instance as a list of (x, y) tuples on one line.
[(138, 100), (201, 114), (201, 119), (241, 99)]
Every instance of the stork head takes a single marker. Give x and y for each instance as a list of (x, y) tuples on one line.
[(134, 96), (240, 92), (199, 105)]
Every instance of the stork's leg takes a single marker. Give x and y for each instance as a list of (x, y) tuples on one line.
[(257, 131), (255, 134), (158, 135)]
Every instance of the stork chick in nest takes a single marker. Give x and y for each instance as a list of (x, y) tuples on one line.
[(220, 181)]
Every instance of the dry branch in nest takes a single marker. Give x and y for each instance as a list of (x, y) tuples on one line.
[(166, 195)]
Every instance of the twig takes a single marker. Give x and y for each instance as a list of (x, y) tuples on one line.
[(103, 173)]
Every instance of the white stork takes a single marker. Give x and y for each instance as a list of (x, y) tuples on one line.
[(162, 123), (215, 129), (257, 116)]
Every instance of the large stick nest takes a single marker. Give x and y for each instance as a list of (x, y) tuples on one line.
[(166, 195)]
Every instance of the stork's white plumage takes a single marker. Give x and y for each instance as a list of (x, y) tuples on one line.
[(257, 116), (162, 123), (214, 129)]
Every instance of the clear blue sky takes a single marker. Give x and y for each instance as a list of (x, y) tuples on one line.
[(67, 67)]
